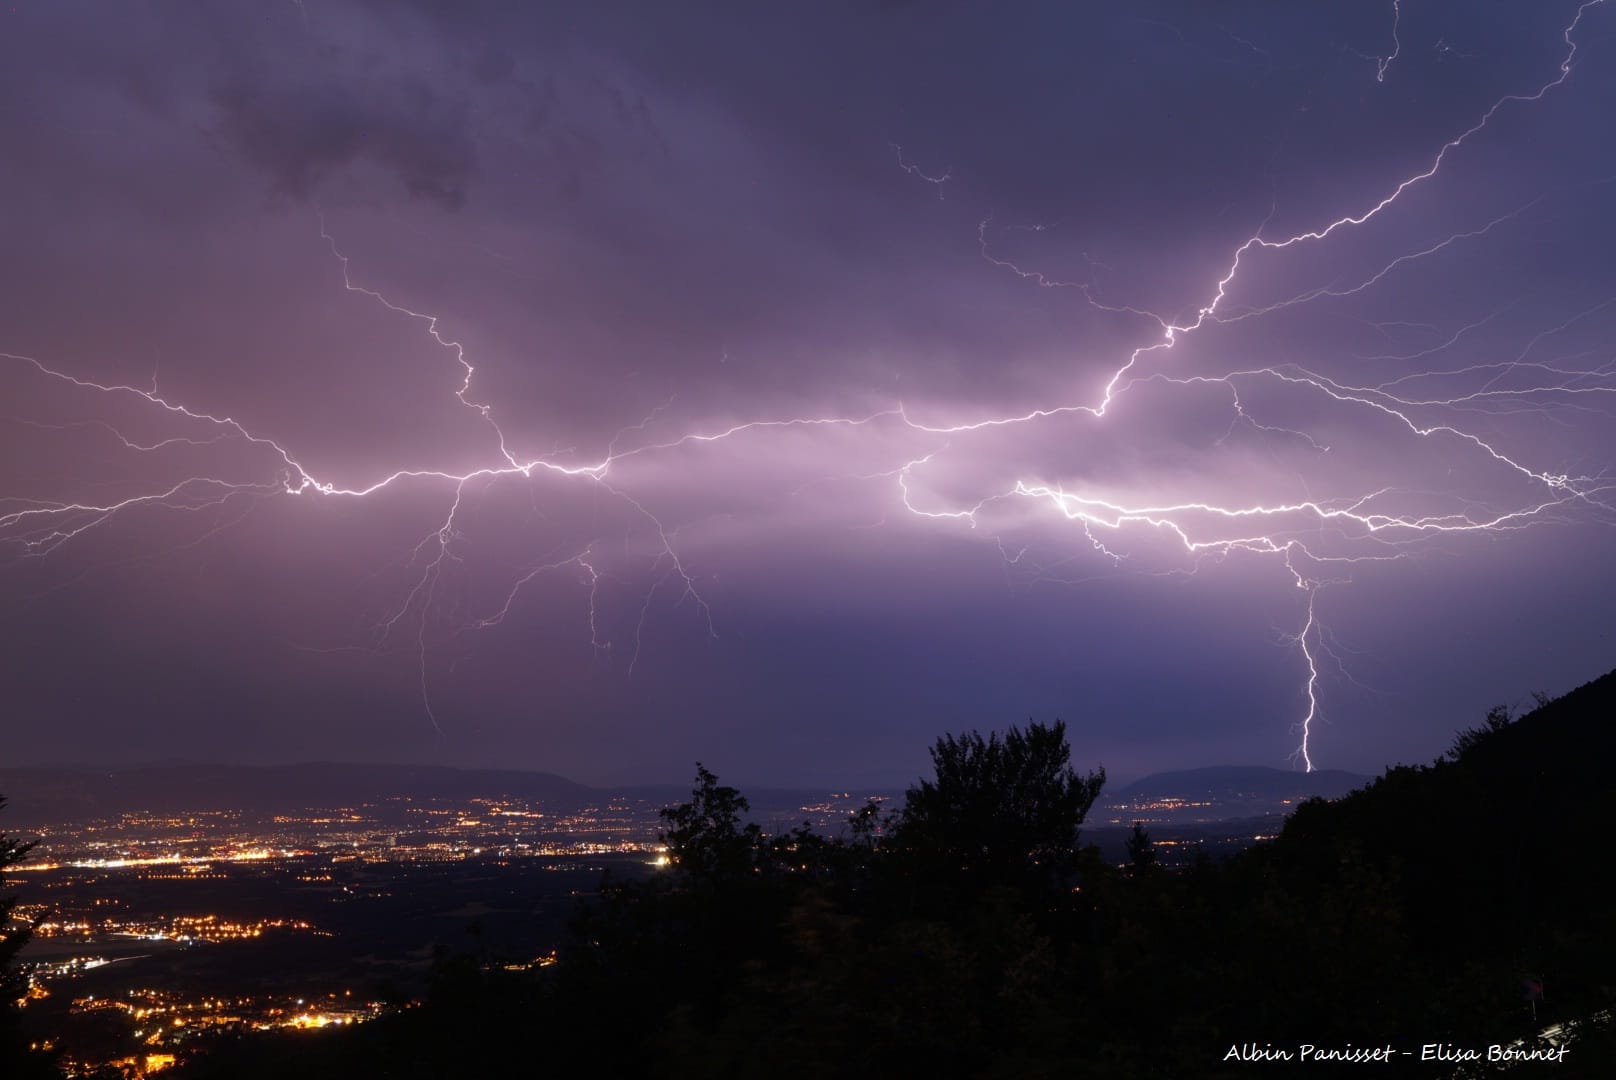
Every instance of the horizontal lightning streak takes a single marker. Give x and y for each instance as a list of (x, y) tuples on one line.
[(40, 526)]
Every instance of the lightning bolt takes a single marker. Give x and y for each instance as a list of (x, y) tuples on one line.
[(1316, 540), (1560, 489), (937, 179), (1385, 62)]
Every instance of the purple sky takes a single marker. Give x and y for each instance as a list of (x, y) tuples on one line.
[(839, 375)]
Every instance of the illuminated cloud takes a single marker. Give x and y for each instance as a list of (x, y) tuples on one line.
[(624, 382)]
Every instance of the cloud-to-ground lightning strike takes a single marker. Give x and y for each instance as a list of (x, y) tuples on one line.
[(1561, 490), (1316, 539)]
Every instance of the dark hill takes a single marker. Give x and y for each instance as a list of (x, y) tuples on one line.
[(1483, 869)]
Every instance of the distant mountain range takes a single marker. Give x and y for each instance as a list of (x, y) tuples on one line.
[(1231, 783), (65, 794), (40, 795), (37, 796)]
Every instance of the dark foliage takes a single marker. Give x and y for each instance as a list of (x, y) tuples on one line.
[(16, 1060), (1141, 852), (708, 839), (13, 936), (999, 811), (1498, 718), (969, 936)]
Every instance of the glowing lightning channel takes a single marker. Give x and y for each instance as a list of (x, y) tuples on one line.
[(40, 526), (1093, 512), (483, 409), (37, 527), (1384, 62), (1303, 642), (937, 180)]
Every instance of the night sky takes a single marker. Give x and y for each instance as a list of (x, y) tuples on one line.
[(600, 387)]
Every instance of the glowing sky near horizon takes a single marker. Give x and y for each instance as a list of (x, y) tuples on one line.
[(602, 388)]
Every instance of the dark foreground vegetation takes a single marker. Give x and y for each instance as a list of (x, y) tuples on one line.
[(968, 933)]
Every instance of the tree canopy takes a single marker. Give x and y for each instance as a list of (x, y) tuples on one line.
[(708, 839), (999, 801)]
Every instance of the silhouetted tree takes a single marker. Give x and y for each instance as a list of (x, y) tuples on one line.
[(16, 1060), (997, 803), (865, 824), (1498, 718), (1141, 852), (707, 841), (13, 936)]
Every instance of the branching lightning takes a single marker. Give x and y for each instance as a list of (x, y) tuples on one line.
[(935, 179), (1316, 540), (1559, 490), (1385, 62)]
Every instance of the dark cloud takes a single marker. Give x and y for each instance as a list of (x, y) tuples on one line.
[(300, 134)]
